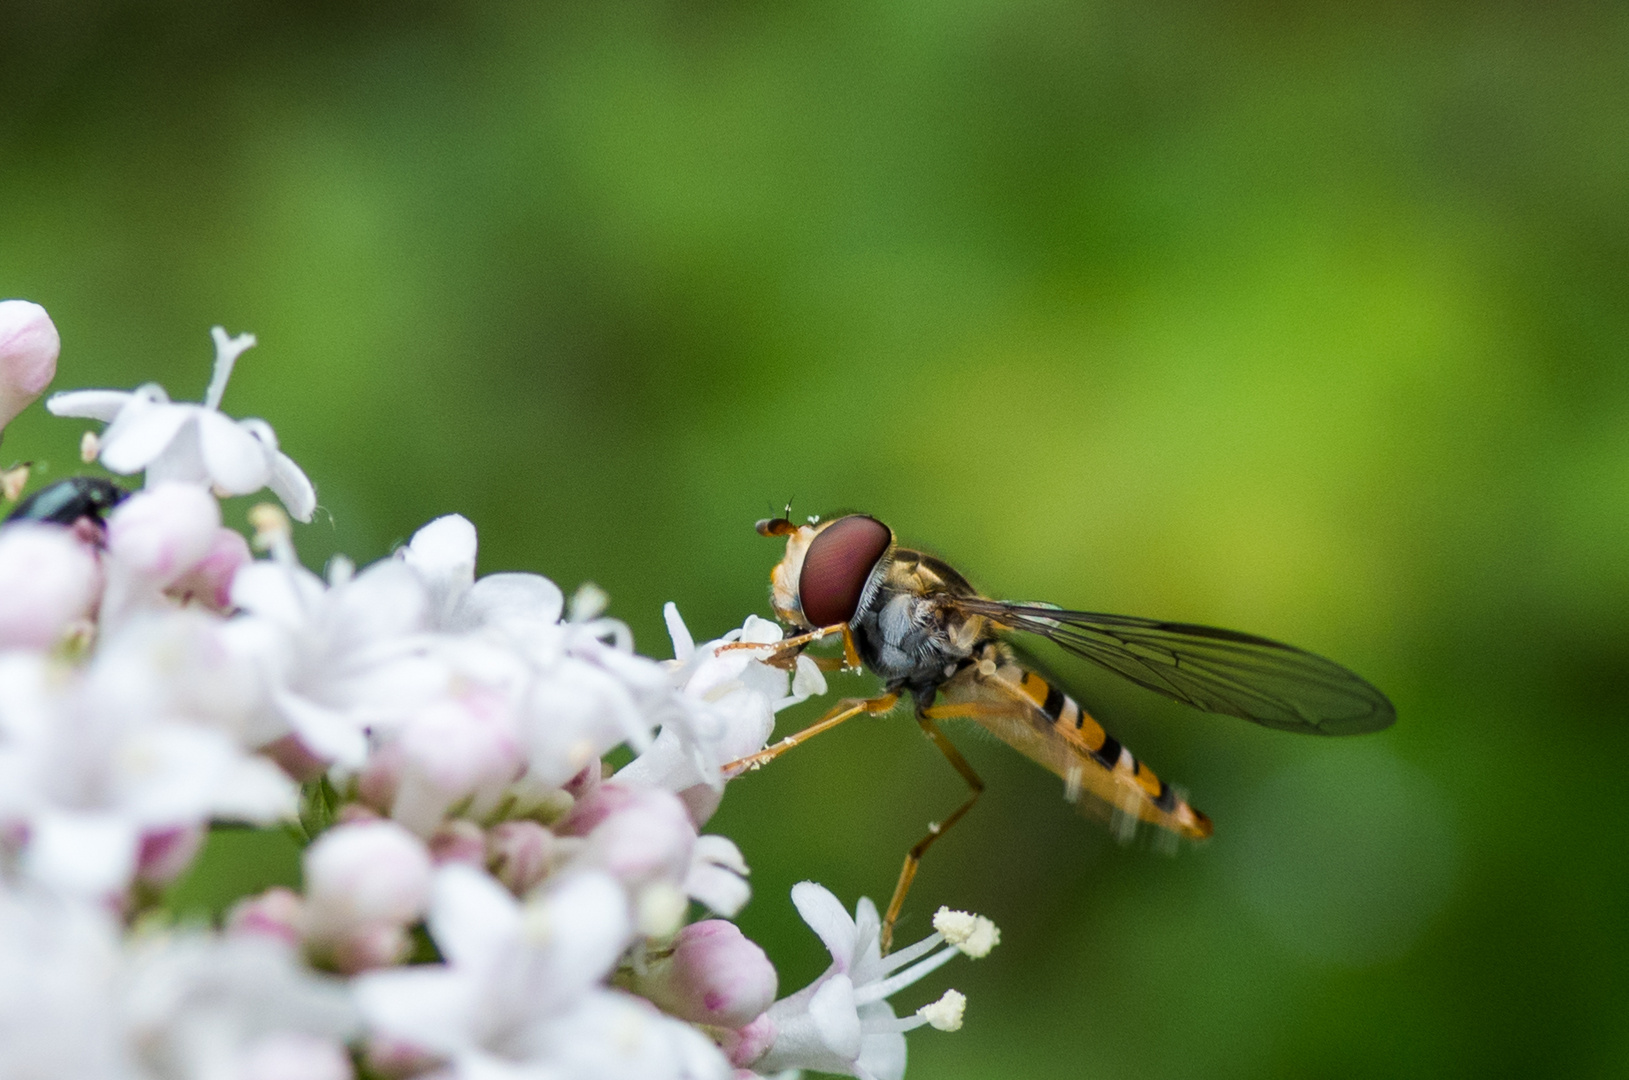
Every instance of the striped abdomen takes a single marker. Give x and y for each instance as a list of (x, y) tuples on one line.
[(1034, 716)]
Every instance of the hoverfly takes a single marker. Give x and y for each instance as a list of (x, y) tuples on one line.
[(918, 624)]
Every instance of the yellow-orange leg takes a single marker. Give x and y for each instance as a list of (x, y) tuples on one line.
[(844, 710), (913, 858), (790, 647)]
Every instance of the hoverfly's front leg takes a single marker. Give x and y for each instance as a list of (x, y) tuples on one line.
[(785, 652), (844, 710), (913, 858)]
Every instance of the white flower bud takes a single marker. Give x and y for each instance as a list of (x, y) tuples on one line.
[(28, 355), (162, 533), (48, 580), (369, 872)]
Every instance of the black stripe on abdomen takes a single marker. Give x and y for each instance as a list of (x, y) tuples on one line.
[(1053, 706), (1108, 755)]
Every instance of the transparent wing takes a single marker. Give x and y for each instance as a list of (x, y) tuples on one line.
[(1219, 671)]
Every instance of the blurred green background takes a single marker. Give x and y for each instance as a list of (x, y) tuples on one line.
[(1310, 320)]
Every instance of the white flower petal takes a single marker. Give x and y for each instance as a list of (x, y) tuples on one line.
[(236, 460), (277, 593), (585, 923), (836, 1017), (472, 917), (290, 485), (882, 1055), (429, 1007), (255, 790), (101, 405), (721, 890), (328, 733), (444, 551), (826, 917), (684, 646), (142, 432), (81, 854), (807, 682), (503, 599)]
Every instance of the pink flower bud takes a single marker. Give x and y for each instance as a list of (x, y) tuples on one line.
[(165, 853), (380, 778), (163, 532), (715, 976), (364, 948), (293, 1055), (28, 355), (295, 758), (48, 580), (396, 1059), (519, 853), (638, 835), (702, 801), (355, 813), (370, 872), (210, 581), (458, 841), (276, 913)]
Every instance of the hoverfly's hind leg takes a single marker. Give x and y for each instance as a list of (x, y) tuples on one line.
[(913, 858), (844, 710)]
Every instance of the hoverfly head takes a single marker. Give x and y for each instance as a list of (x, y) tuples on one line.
[(820, 580)]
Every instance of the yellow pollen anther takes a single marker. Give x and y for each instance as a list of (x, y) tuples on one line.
[(972, 934)]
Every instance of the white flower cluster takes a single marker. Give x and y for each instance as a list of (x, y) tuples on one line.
[(481, 897)]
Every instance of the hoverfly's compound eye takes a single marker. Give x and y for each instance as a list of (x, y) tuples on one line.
[(837, 566)]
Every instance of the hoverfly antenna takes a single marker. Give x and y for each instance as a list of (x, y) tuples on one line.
[(774, 527), (787, 513)]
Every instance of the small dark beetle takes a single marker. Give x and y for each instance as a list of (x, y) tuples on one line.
[(66, 501)]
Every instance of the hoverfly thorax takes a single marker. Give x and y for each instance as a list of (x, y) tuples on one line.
[(829, 568)]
